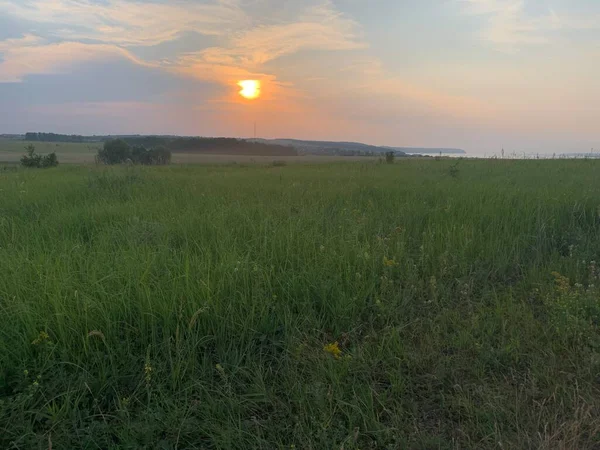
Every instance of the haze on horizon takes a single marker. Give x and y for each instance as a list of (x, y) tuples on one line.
[(475, 74)]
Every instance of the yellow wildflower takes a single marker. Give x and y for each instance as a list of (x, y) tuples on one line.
[(563, 284), (333, 349), (221, 371), (148, 373), (42, 337), (389, 262)]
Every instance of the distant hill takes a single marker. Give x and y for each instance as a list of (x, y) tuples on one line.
[(429, 151), (353, 148), (330, 147)]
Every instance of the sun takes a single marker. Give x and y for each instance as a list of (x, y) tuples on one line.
[(250, 89)]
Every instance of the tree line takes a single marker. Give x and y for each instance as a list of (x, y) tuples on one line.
[(176, 143), (118, 151)]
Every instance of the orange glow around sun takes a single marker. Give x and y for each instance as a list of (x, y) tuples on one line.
[(250, 89)]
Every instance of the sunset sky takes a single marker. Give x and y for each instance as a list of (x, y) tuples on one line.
[(482, 75)]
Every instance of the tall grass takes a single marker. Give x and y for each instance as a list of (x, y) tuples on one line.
[(334, 306)]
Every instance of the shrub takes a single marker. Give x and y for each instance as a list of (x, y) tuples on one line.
[(33, 160), (139, 155), (390, 157), (160, 156), (49, 160), (116, 151)]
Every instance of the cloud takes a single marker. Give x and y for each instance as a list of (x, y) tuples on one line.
[(509, 26), (127, 22), (245, 54), (33, 55), (246, 39), (249, 39)]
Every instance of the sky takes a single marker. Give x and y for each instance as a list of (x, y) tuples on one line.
[(482, 75)]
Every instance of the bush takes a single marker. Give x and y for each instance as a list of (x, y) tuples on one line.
[(49, 160), (139, 155), (159, 156), (116, 151), (390, 157), (33, 160)]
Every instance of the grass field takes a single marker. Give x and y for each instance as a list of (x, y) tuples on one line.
[(424, 305), (12, 150)]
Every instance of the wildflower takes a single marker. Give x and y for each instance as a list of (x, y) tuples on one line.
[(42, 337), (389, 262), (433, 283), (465, 290), (562, 283), (97, 334), (148, 371), (26, 372), (333, 349), (221, 371)]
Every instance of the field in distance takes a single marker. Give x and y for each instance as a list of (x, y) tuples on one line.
[(424, 304), (11, 151)]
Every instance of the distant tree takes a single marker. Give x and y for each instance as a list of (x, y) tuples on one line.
[(390, 157), (33, 160), (160, 156), (139, 155), (116, 151), (50, 160)]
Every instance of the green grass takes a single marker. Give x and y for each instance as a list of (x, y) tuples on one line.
[(17, 146), (11, 151), (189, 307)]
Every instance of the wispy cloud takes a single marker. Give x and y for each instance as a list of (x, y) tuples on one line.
[(129, 22), (33, 55), (245, 40), (245, 53), (509, 26)]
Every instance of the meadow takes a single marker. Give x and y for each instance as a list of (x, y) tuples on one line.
[(11, 151), (428, 304)]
